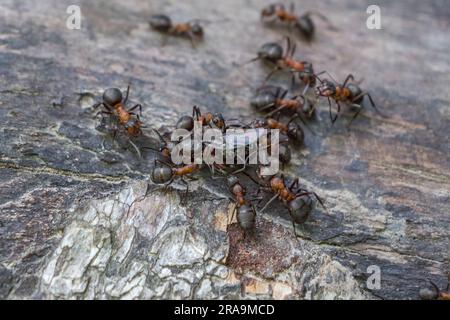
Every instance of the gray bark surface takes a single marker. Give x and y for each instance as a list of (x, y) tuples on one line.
[(78, 219)]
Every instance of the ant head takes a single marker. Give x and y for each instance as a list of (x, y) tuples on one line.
[(218, 120), (112, 96), (268, 11), (327, 88), (306, 27), (300, 208), (197, 30), (160, 22), (185, 122), (295, 132), (270, 51), (161, 174)]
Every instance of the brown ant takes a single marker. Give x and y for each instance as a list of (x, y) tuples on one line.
[(273, 53), (292, 130), (435, 293), (246, 213), (298, 201), (163, 23), (275, 97), (349, 93), (115, 105), (303, 23), (165, 173)]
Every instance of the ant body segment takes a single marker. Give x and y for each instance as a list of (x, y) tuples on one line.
[(245, 213), (162, 23), (435, 293)]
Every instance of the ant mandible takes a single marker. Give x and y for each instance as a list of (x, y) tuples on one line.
[(348, 92), (303, 23), (163, 23)]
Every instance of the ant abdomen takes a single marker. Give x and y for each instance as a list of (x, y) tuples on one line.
[(246, 217), (160, 22), (305, 25), (262, 99), (112, 96), (161, 174), (270, 51), (300, 208), (185, 122), (355, 91)]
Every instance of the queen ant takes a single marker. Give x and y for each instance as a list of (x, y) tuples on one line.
[(193, 30), (349, 93), (304, 24), (273, 53)]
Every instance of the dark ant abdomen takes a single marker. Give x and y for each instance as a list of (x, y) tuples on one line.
[(161, 174), (355, 91), (306, 26), (246, 217), (160, 22), (300, 208)]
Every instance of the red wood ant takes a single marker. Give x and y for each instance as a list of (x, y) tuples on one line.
[(435, 293), (273, 53), (298, 201), (291, 129), (163, 23), (246, 213), (275, 97), (303, 23), (165, 173), (115, 105), (348, 92)]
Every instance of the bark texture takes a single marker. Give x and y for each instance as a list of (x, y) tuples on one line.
[(78, 219)]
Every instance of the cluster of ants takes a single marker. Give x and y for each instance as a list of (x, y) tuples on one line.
[(268, 98)]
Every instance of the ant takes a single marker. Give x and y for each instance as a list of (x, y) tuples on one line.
[(163, 23), (303, 23), (273, 53), (165, 173), (348, 92), (435, 293), (208, 118), (298, 201), (246, 213), (272, 96), (114, 104), (292, 130)]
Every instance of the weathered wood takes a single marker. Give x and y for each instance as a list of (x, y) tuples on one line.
[(386, 182)]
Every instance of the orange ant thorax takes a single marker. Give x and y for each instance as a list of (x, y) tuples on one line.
[(180, 28), (274, 124), (288, 103), (283, 15), (185, 170), (342, 93), (294, 64)]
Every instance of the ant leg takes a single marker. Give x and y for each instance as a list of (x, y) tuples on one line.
[(160, 137), (275, 111), (338, 110), (268, 106), (191, 39), (305, 89), (371, 102), (269, 202), (276, 69), (324, 72), (109, 108), (350, 77), (137, 106), (329, 104), (136, 148), (196, 112), (126, 95), (355, 115), (294, 183)]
